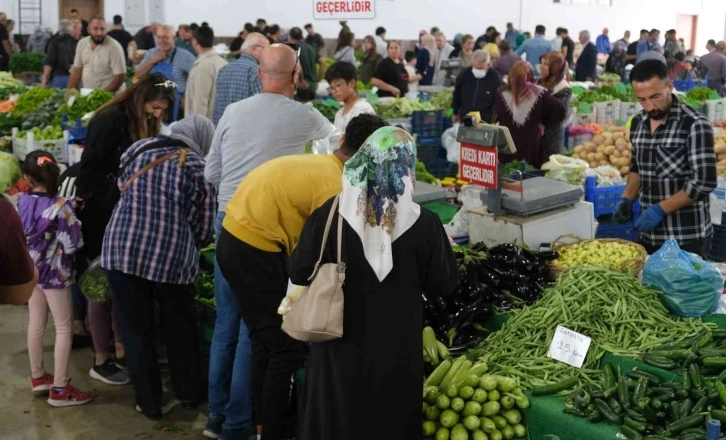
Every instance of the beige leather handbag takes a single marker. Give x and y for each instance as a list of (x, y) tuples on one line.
[(317, 315)]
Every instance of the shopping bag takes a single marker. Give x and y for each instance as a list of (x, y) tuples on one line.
[(450, 144), (688, 285)]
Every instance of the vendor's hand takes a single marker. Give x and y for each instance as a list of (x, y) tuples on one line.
[(623, 211), (650, 219), (395, 92)]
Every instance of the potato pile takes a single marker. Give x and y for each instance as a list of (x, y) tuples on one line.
[(610, 148), (719, 147)]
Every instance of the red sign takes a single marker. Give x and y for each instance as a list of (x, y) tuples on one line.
[(343, 9), (479, 165)]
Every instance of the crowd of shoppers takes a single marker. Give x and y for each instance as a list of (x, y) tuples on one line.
[(243, 135)]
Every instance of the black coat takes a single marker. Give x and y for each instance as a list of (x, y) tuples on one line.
[(108, 138), (471, 94), (380, 357), (587, 64)]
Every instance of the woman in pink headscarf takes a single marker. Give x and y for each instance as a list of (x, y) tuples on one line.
[(526, 108)]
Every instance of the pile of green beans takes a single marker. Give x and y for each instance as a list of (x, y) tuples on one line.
[(617, 311)]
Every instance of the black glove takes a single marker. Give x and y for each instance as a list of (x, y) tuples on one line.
[(623, 211)]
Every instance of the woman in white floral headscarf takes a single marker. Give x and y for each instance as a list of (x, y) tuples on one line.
[(394, 251)]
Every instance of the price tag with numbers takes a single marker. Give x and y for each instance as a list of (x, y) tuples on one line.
[(569, 347)]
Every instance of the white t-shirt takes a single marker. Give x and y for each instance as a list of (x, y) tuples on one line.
[(412, 85), (360, 107)]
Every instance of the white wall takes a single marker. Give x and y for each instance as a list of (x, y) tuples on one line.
[(404, 18)]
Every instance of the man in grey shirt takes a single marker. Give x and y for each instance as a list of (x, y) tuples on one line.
[(715, 64), (251, 132), (264, 126)]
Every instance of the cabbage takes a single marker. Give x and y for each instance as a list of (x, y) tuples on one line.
[(9, 171)]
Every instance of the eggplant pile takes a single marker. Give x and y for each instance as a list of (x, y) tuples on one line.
[(502, 277)]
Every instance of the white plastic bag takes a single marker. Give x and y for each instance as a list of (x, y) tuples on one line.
[(566, 169), (608, 176), (470, 197), (448, 141)]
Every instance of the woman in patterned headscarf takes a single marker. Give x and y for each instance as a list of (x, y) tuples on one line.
[(394, 251)]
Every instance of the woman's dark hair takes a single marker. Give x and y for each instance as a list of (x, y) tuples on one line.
[(42, 169), (372, 41), (557, 69), (341, 70), (272, 30), (249, 28), (493, 37), (151, 87), (346, 39), (409, 55), (358, 130)]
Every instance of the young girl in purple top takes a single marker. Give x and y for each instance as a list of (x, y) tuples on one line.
[(54, 234)]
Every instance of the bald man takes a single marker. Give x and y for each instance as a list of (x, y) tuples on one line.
[(239, 80), (251, 132)]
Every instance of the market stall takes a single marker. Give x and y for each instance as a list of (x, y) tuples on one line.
[(559, 328)]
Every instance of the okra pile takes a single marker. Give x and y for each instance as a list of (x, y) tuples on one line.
[(646, 407), (617, 311)]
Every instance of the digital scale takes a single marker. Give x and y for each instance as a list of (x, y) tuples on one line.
[(453, 67), (480, 147)]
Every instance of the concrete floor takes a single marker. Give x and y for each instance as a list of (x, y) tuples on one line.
[(110, 416)]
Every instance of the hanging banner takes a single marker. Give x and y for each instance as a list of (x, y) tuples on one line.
[(343, 10)]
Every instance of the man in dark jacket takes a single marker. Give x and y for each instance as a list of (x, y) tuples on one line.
[(61, 52), (475, 88), (586, 69)]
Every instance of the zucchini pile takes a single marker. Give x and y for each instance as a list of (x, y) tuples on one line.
[(461, 402), (646, 407)]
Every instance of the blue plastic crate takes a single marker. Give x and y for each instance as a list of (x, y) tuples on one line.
[(446, 123), (604, 199), (428, 150), (624, 231), (687, 84), (77, 132), (441, 168), (427, 124), (609, 228)]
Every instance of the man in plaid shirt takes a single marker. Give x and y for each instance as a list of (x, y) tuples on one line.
[(239, 80), (673, 166)]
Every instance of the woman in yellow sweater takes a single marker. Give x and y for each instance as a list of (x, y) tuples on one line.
[(492, 45)]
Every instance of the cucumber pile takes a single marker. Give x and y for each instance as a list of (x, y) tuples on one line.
[(461, 402), (646, 407)]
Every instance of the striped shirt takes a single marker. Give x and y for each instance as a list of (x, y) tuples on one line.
[(236, 81), (678, 156), (162, 220)]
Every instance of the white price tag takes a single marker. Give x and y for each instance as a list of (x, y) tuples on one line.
[(569, 347)]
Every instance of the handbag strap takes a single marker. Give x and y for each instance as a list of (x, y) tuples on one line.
[(325, 237)]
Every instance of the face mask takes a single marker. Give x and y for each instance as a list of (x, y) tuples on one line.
[(479, 73)]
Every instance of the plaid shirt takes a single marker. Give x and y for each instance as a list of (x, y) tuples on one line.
[(181, 61), (163, 218), (678, 156), (235, 82)]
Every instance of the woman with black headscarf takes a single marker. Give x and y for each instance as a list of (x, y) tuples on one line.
[(151, 252)]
